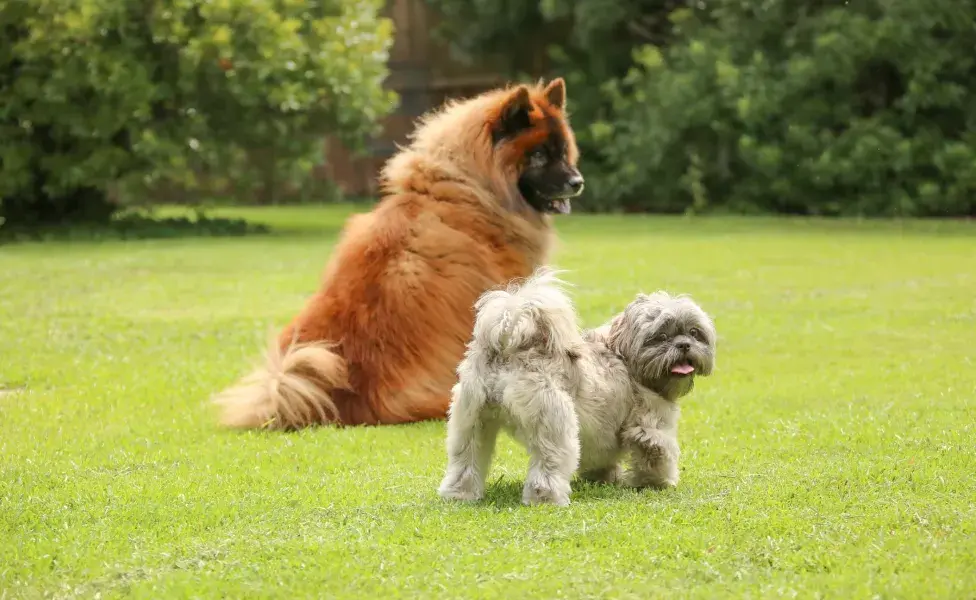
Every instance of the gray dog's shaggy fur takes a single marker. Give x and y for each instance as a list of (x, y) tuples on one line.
[(577, 401)]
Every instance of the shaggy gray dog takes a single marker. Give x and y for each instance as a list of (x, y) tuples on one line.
[(577, 401)]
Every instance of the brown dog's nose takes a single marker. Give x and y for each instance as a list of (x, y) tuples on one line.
[(576, 183)]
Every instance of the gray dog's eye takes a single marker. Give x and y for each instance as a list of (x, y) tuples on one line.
[(696, 333), (662, 337)]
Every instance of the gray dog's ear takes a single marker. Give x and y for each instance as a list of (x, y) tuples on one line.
[(712, 332), (615, 337)]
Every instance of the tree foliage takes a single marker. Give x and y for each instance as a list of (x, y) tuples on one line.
[(94, 92), (807, 107)]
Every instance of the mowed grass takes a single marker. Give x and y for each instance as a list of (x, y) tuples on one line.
[(832, 454)]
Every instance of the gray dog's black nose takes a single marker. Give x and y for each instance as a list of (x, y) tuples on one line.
[(683, 345)]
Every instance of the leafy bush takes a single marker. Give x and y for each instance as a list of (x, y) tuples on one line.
[(98, 92), (804, 107), (812, 108)]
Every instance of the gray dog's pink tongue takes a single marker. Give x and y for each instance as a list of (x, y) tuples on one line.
[(682, 369)]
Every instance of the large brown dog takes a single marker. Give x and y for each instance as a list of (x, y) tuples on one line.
[(465, 209)]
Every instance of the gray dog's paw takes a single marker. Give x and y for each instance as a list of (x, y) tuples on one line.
[(655, 451), (459, 495), (462, 486), (545, 492), (656, 480)]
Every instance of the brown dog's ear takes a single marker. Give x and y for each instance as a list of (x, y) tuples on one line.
[(556, 92), (514, 116), (517, 101)]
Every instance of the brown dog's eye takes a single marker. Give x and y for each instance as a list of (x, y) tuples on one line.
[(537, 159)]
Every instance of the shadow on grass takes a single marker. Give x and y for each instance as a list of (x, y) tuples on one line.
[(135, 227), (175, 222), (504, 492)]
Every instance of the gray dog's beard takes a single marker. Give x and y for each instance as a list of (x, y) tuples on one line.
[(670, 387), (663, 372)]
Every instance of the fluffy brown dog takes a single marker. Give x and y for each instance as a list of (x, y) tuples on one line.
[(466, 208)]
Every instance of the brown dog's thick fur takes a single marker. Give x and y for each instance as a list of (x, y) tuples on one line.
[(381, 339)]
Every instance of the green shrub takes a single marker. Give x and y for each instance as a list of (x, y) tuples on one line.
[(859, 108), (134, 92)]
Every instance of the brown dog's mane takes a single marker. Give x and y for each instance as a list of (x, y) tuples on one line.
[(380, 340)]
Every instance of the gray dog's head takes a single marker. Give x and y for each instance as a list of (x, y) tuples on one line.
[(665, 341)]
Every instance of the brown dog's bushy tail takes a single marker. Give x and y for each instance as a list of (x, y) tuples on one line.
[(292, 390)]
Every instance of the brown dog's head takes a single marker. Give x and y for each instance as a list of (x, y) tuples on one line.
[(532, 138), (511, 147)]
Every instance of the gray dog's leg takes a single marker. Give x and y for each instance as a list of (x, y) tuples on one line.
[(552, 436), (654, 458), (470, 445)]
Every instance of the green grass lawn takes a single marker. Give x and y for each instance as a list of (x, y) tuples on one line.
[(832, 454)]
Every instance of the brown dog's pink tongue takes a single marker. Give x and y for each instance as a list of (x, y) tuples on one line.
[(682, 369)]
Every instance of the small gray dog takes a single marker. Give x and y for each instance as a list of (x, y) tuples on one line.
[(577, 401)]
